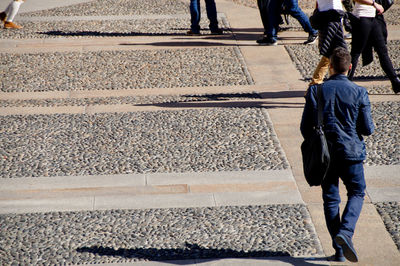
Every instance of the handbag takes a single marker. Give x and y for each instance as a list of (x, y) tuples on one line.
[(316, 19), (386, 4), (315, 151)]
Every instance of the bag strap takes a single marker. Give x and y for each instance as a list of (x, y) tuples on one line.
[(319, 106)]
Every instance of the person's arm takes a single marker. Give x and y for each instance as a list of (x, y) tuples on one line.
[(365, 124), (377, 6)]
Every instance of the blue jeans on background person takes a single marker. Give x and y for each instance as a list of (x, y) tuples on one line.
[(195, 14), (292, 6), (352, 175)]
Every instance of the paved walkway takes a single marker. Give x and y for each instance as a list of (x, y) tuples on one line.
[(263, 99)]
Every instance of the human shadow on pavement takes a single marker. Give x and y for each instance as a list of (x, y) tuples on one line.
[(104, 34), (186, 255), (234, 100)]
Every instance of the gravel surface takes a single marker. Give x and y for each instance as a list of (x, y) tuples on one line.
[(390, 213), (218, 139), (158, 234), (383, 147), (116, 7), (306, 58), (159, 99), (110, 70), (104, 28)]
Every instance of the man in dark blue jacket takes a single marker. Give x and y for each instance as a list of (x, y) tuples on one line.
[(346, 116)]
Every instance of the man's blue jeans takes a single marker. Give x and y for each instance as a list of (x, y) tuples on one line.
[(295, 11), (195, 14), (352, 175)]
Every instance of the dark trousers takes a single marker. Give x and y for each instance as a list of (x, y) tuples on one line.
[(270, 17), (352, 175), (369, 30), (195, 14)]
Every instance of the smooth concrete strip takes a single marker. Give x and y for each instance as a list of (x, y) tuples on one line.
[(207, 178), (258, 198), (267, 186), (37, 5), (46, 205), (102, 18), (71, 182), (383, 183), (154, 201), (93, 191)]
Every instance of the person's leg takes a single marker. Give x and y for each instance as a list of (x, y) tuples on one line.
[(262, 7), (353, 179), (272, 30), (361, 31), (296, 12), (352, 174), (212, 15), (320, 71), (331, 198), (11, 12), (379, 43), (195, 15)]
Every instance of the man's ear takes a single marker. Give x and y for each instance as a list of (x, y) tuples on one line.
[(350, 66)]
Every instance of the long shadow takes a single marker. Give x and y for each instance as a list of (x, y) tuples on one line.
[(186, 255), (105, 34), (234, 100)]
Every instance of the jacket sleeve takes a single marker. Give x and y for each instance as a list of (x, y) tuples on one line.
[(365, 125), (307, 119)]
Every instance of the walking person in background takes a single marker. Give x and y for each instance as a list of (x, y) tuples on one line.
[(270, 17), (292, 7), (369, 30), (330, 35), (346, 117), (8, 15), (195, 14)]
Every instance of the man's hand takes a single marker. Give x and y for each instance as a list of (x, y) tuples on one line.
[(379, 8)]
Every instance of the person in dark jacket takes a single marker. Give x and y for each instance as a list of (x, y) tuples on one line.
[(369, 30), (346, 117)]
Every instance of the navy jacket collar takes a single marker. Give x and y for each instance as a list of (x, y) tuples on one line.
[(338, 77)]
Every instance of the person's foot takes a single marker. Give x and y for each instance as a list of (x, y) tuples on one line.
[(338, 256), (3, 16), (217, 32), (267, 41), (348, 250), (312, 37), (193, 33), (11, 25), (396, 85)]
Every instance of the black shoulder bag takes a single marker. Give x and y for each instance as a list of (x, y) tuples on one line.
[(315, 152)]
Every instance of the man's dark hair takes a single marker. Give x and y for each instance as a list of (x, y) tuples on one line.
[(340, 60)]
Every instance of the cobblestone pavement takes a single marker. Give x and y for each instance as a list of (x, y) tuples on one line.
[(190, 139), (112, 70), (158, 234)]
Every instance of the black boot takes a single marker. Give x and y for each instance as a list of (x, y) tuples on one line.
[(396, 85)]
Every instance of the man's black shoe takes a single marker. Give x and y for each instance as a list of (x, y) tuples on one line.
[(311, 38), (396, 85), (267, 41), (348, 250)]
